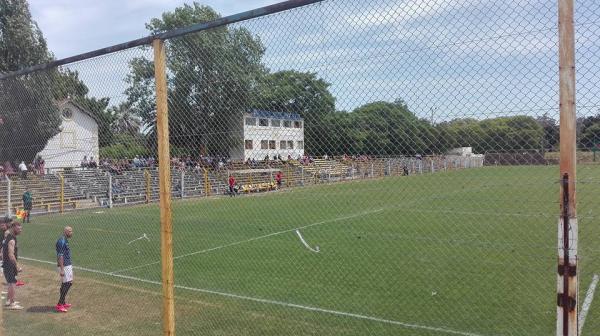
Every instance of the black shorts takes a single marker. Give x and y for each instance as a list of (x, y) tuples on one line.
[(10, 273)]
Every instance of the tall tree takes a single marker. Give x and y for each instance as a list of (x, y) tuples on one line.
[(301, 93), (210, 79), (29, 116)]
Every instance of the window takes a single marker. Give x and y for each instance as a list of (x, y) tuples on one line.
[(287, 123), (67, 113), (250, 121), (67, 140), (300, 144), (264, 144), (263, 122), (290, 144), (248, 144), (297, 124), (272, 144), (282, 144), (275, 123)]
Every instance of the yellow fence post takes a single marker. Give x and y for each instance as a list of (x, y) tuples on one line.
[(148, 186), (206, 183), (164, 170)]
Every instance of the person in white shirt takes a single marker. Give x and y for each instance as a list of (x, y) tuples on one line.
[(23, 169)]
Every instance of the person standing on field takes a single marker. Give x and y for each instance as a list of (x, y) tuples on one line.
[(10, 255), (65, 268), (27, 205)]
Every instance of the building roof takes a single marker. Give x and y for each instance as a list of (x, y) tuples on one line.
[(85, 111), (274, 115)]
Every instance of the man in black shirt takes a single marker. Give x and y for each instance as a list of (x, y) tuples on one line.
[(10, 256)]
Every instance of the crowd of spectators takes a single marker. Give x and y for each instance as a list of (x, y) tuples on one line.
[(36, 167)]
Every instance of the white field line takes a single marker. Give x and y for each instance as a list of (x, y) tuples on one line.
[(360, 214), (316, 250), (274, 302), (589, 296), (301, 227)]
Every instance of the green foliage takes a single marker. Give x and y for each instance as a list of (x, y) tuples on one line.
[(210, 79), (588, 131), (301, 93), (504, 134), (29, 116), (125, 146)]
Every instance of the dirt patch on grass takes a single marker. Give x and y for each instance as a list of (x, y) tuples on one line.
[(99, 307)]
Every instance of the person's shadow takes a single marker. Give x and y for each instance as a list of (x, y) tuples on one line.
[(40, 309)]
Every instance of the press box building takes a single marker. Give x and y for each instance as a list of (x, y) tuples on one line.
[(270, 133)]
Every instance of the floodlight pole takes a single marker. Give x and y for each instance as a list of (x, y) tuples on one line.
[(567, 282), (164, 171)]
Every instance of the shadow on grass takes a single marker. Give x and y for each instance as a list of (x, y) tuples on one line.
[(40, 309)]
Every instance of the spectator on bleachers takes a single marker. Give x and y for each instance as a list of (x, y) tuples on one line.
[(2, 171), (85, 163), (38, 165), (93, 164), (8, 169), (23, 169), (136, 162)]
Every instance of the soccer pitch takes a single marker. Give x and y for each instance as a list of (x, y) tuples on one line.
[(469, 252)]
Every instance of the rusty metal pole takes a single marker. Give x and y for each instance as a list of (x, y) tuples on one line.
[(164, 171), (567, 283)]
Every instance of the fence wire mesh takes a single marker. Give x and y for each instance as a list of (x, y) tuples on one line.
[(344, 168)]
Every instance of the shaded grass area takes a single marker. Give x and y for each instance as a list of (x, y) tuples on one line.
[(470, 251)]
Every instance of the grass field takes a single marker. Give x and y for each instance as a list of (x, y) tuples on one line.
[(469, 252)]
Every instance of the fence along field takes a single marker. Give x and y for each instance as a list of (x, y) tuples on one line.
[(416, 148)]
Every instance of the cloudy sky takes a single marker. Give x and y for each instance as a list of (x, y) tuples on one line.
[(444, 58), (76, 26)]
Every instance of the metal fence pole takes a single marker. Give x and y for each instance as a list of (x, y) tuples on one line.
[(62, 193), (567, 282), (110, 191), (8, 200), (182, 184), (166, 236)]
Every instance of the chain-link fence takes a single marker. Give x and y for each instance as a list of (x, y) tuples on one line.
[(343, 168)]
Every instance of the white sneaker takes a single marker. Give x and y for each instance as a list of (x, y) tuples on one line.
[(14, 306), (8, 304)]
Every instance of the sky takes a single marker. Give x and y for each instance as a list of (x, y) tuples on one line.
[(445, 58), (73, 27)]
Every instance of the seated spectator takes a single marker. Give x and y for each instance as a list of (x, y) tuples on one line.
[(92, 164), (8, 169), (84, 163)]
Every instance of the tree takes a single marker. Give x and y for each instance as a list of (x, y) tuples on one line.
[(29, 115), (210, 79), (587, 131), (302, 93), (551, 132), (503, 134), (384, 128)]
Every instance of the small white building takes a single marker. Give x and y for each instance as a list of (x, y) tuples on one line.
[(270, 133), (78, 138)]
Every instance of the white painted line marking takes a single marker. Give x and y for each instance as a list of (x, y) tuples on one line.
[(316, 249), (364, 213), (274, 302), (589, 296), (144, 236)]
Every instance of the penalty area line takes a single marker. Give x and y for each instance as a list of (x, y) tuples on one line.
[(274, 302), (589, 297), (360, 214)]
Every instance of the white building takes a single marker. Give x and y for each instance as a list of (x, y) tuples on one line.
[(78, 138), (270, 133)]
